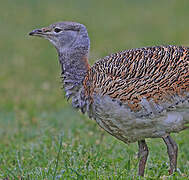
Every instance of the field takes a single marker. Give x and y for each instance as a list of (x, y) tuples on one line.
[(41, 136)]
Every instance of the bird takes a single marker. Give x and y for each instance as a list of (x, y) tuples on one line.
[(133, 94)]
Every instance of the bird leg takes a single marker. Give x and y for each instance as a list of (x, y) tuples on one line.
[(172, 150), (142, 155)]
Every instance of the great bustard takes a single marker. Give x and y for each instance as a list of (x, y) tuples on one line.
[(133, 95)]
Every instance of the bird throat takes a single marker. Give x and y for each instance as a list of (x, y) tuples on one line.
[(74, 65)]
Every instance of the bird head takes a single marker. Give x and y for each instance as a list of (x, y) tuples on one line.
[(62, 34)]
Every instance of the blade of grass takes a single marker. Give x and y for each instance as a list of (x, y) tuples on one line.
[(57, 159)]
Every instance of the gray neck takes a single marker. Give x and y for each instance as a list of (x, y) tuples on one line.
[(74, 64)]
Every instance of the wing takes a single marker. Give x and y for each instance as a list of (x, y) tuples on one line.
[(157, 77)]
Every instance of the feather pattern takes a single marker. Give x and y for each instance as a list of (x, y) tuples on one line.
[(140, 93), (156, 78)]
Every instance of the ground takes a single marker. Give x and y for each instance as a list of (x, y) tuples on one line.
[(42, 137)]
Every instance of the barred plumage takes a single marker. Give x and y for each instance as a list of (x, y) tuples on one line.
[(160, 74), (133, 95)]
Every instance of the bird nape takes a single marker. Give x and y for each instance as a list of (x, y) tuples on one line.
[(133, 94)]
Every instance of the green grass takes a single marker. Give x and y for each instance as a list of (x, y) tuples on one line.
[(41, 136)]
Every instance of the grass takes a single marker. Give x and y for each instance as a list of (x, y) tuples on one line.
[(42, 137)]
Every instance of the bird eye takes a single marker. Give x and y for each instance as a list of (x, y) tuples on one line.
[(57, 30)]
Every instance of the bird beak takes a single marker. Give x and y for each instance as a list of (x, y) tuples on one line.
[(43, 32), (36, 32)]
